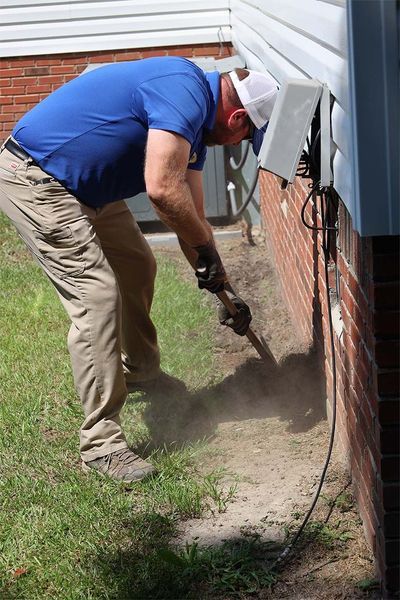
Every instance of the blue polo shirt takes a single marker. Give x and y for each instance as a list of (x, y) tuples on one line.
[(91, 133)]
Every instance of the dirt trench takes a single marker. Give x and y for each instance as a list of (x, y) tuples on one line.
[(267, 427)]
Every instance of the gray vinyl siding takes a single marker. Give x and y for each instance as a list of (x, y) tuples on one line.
[(30, 27), (307, 38), (288, 38)]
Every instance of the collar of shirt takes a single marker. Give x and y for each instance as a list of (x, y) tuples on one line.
[(213, 82)]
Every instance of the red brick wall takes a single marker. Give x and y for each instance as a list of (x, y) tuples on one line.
[(367, 352), (368, 372), (24, 81)]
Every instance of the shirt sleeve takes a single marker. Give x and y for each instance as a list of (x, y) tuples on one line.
[(199, 160), (177, 103)]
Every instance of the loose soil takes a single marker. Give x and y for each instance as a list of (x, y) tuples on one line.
[(267, 427)]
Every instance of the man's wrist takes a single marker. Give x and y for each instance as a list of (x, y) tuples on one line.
[(205, 248)]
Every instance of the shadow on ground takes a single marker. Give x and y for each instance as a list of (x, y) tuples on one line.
[(294, 392), (243, 568), (151, 570), (147, 568)]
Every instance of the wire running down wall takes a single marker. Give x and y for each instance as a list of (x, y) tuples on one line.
[(306, 39)]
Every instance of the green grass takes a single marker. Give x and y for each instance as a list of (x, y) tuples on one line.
[(235, 568), (329, 533), (67, 535), (185, 324)]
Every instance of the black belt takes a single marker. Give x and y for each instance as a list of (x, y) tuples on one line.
[(12, 146)]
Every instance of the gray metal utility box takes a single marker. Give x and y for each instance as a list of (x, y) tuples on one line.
[(214, 190)]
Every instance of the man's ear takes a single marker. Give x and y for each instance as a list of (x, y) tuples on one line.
[(237, 118)]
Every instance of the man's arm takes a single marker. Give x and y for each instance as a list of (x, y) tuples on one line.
[(239, 323), (177, 195), (167, 156), (195, 182)]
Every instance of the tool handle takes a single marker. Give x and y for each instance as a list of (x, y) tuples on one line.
[(261, 348)]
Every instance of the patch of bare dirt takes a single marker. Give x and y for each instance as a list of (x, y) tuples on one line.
[(269, 431)]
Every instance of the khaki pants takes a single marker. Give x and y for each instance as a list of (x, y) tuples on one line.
[(103, 271)]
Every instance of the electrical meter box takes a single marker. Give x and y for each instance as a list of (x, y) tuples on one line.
[(288, 127)]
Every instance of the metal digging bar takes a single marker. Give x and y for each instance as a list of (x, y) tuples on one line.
[(259, 343)]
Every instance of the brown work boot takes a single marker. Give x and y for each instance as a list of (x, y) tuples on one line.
[(162, 385), (122, 465)]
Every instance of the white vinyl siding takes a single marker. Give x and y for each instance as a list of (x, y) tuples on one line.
[(288, 38), (50, 27), (307, 38)]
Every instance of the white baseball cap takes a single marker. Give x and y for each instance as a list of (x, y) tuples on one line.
[(257, 92)]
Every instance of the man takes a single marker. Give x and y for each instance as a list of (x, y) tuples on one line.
[(110, 134)]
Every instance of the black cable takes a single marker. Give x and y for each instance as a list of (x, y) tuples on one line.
[(325, 248), (249, 195), (306, 201), (236, 166), (313, 149), (305, 160), (326, 229), (303, 210), (304, 163)]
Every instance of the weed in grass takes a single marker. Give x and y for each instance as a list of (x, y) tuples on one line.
[(181, 489), (367, 585), (344, 502), (182, 496), (296, 515), (213, 487), (235, 568), (318, 532)]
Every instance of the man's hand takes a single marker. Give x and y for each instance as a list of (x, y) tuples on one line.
[(210, 272), (241, 321)]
